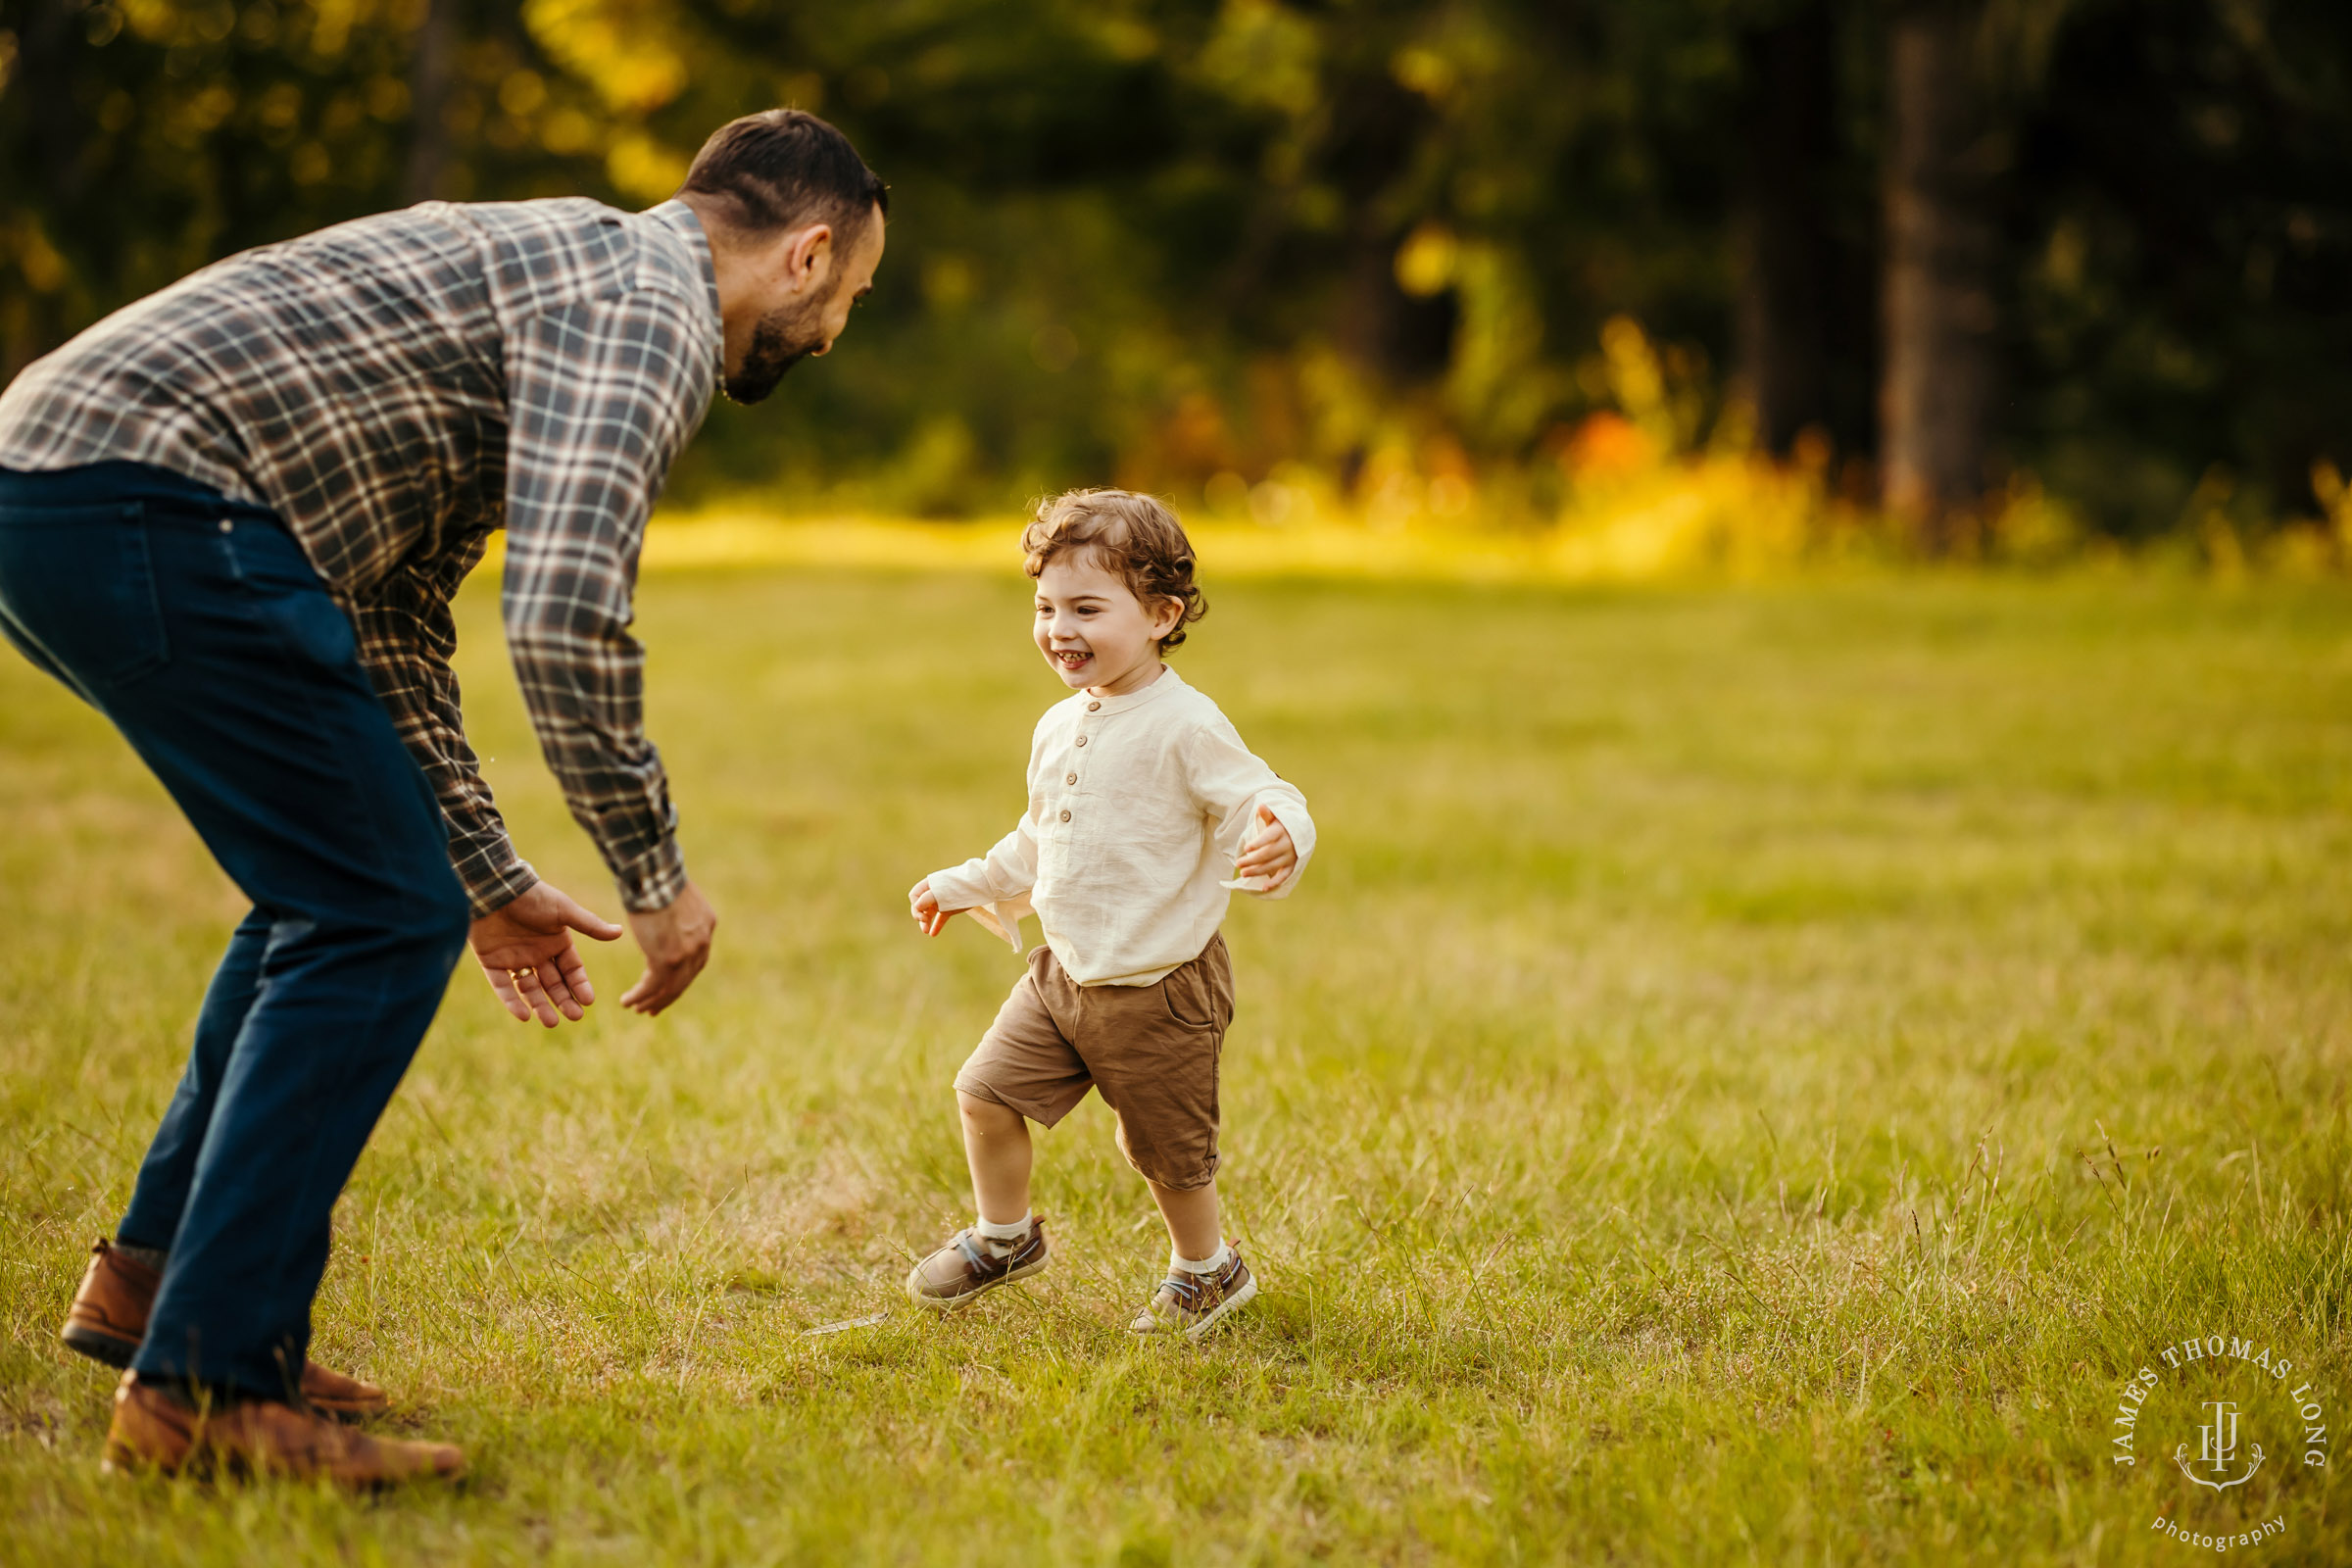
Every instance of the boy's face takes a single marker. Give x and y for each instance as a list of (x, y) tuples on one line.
[(1093, 629)]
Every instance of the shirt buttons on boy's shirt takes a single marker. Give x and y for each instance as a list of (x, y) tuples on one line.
[(1069, 778), (1093, 707), (1081, 740), (1066, 816)]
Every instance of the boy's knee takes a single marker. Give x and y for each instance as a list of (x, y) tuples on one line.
[(987, 1118)]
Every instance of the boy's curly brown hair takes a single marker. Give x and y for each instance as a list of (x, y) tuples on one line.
[(1135, 536)]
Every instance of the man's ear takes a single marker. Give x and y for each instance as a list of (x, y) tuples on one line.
[(808, 254)]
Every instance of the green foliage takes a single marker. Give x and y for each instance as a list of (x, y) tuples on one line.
[(1672, 1121), (1182, 243)]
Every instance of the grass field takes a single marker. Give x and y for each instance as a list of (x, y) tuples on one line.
[(1747, 1079)]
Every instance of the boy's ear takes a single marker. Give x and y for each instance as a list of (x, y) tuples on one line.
[(1171, 616)]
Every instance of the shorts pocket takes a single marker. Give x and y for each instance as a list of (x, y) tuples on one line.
[(77, 584), (1186, 990)]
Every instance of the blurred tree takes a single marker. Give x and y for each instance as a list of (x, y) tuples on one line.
[(429, 71), (1942, 354), (1787, 252)]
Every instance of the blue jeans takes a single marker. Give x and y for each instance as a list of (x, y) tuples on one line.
[(198, 627)]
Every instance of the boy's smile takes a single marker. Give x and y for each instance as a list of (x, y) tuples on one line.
[(1093, 629)]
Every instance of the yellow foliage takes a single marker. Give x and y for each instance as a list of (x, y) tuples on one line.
[(1640, 501), (623, 48), (642, 167)]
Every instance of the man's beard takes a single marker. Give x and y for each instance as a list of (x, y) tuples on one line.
[(782, 339)]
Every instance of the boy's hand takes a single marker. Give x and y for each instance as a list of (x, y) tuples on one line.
[(927, 912), (1269, 854)]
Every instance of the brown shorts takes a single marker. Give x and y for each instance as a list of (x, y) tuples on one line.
[(1151, 1050)]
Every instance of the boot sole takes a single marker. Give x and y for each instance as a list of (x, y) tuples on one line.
[(944, 1305), (114, 1351), (348, 1413), (122, 1461), (99, 1346)]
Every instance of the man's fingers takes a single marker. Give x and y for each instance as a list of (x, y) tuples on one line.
[(655, 990), (590, 925), (662, 984), (586, 921), (534, 995), (558, 987), (502, 986), (575, 976)]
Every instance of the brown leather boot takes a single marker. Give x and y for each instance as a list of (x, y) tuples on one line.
[(109, 1318), (153, 1430)]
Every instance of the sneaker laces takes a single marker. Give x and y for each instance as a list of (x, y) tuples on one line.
[(1186, 1290)]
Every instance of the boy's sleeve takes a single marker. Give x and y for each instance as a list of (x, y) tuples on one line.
[(1005, 873), (993, 888), (1230, 782)]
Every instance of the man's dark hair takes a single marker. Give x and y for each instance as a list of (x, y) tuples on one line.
[(784, 169)]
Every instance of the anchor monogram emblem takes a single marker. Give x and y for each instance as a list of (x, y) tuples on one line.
[(2218, 1447)]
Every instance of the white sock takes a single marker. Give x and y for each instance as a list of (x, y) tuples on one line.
[(1208, 1265), (1001, 1238)]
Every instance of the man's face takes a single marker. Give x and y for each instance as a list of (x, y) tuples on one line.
[(808, 297)]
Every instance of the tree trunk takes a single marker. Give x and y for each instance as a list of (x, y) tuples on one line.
[(429, 102), (1786, 256), (1939, 381)]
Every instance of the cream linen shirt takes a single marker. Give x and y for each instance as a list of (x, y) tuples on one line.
[(1137, 806)]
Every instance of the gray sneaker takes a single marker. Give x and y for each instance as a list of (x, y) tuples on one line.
[(968, 1268), (1191, 1305)]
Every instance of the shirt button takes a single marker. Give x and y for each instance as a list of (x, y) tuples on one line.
[(1069, 778), (1081, 740), (1092, 706), (1066, 816)]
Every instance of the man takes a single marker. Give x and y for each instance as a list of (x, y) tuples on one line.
[(231, 519)]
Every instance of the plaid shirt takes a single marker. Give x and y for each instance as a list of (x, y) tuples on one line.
[(393, 389)]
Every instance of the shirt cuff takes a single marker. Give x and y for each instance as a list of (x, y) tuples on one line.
[(965, 887), (1301, 829), (493, 876), (655, 879)]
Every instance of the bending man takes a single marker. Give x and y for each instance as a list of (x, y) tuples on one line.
[(231, 519)]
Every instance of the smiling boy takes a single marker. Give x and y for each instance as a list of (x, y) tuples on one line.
[(1140, 794)]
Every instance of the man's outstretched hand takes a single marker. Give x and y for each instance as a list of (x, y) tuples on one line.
[(524, 948), (677, 944)]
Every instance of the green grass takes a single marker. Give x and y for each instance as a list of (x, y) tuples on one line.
[(1745, 1079)]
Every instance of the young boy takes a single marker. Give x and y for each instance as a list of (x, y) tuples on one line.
[(1140, 795)]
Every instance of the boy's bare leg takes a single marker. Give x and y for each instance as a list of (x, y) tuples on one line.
[(996, 1145), (1191, 1216)]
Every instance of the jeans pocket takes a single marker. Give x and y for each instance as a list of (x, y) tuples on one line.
[(76, 584)]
